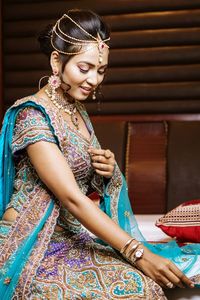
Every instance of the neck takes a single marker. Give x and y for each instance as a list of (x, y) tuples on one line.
[(65, 95)]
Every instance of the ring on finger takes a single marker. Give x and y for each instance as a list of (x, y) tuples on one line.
[(107, 154), (170, 285)]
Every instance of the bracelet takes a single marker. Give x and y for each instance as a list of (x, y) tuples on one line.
[(134, 253), (132, 250), (137, 255), (126, 245)]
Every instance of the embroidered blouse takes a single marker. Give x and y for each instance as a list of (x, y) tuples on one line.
[(31, 126)]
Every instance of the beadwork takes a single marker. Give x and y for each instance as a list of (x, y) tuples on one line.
[(64, 105)]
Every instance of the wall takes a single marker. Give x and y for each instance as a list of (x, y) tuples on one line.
[(154, 58)]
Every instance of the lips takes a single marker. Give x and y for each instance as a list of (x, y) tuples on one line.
[(86, 90)]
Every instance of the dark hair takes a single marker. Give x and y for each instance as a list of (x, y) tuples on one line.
[(87, 19)]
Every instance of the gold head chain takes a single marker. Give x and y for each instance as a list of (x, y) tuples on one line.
[(96, 41)]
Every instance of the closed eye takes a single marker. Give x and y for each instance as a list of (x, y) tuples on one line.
[(83, 70)]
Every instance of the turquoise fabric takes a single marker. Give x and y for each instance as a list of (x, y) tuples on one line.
[(15, 264), (7, 171), (17, 261), (126, 217), (184, 257)]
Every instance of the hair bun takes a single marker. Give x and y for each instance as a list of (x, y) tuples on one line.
[(44, 39)]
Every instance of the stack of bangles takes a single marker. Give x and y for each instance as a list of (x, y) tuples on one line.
[(131, 252)]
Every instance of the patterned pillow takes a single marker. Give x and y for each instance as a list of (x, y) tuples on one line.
[(182, 222)]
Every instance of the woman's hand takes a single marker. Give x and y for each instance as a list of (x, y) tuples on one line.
[(162, 271), (103, 161)]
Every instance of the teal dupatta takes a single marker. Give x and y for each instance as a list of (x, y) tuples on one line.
[(15, 264), (118, 208), (187, 258)]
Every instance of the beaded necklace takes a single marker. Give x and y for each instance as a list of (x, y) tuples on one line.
[(64, 105)]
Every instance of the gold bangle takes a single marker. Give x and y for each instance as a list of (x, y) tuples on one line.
[(126, 245), (132, 250)]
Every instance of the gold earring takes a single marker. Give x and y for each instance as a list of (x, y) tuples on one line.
[(40, 81), (54, 83), (94, 95)]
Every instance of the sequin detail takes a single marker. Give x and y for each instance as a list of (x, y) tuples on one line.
[(75, 267), (69, 265)]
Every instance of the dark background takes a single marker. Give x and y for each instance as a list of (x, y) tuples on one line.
[(154, 57)]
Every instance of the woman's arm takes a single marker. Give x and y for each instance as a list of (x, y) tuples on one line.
[(54, 171)]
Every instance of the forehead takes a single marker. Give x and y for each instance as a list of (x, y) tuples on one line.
[(91, 55)]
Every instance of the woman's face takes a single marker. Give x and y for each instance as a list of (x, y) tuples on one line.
[(83, 72)]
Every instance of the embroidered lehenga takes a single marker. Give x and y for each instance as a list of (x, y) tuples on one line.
[(38, 262)]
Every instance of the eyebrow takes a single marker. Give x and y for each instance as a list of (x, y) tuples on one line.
[(92, 65)]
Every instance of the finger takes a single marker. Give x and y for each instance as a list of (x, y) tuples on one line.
[(104, 174), (172, 280), (169, 285), (103, 167), (99, 158), (95, 151), (108, 154), (102, 159), (183, 278), (165, 282)]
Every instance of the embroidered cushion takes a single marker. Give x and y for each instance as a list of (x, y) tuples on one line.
[(182, 222)]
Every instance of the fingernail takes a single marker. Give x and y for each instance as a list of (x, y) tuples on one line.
[(192, 285)]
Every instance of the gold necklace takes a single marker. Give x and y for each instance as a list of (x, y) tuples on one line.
[(62, 104)]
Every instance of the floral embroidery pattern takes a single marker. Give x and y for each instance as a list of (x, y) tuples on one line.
[(89, 271), (69, 264)]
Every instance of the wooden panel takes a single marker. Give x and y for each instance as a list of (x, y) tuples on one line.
[(146, 167), (175, 73), (118, 58), (141, 118), (130, 39), (154, 57), (22, 61), (152, 91), (118, 75), (160, 174), (114, 139), (28, 9), (140, 107), (122, 22), (153, 38), (161, 19), (184, 162), (131, 92)]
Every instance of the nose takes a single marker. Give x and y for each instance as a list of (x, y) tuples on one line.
[(93, 79)]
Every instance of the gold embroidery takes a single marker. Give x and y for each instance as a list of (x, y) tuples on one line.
[(7, 280), (127, 214)]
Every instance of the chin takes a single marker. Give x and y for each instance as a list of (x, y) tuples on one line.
[(81, 97)]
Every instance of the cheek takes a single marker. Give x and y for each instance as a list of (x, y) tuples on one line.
[(72, 76), (100, 79)]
